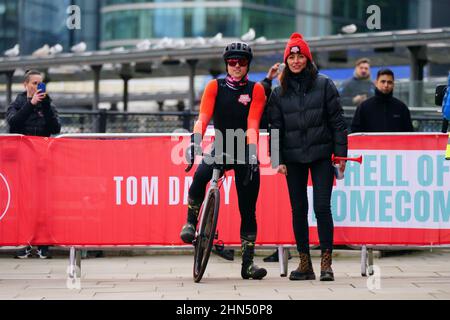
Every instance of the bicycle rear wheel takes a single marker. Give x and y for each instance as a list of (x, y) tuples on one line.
[(206, 233)]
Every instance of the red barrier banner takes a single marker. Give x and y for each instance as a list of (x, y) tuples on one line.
[(67, 191)]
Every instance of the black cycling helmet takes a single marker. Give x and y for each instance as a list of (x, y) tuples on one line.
[(238, 50)]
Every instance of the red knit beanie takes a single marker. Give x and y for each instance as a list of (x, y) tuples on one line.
[(296, 44)]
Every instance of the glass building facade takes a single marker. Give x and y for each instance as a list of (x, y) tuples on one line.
[(33, 23), (395, 15), (90, 24), (9, 24), (42, 22), (126, 21), (139, 19), (111, 23)]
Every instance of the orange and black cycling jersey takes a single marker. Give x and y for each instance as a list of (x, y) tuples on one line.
[(232, 109)]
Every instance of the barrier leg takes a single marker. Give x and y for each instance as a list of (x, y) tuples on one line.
[(364, 261), (283, 260), (74, 263), (370, 257), (78, 263)]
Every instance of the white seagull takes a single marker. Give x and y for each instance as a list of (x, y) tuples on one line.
[(249, 36), (165, 43), (13, 52), (57, 48), (179, 43), (118, 50), (144, 45), (199, 41), (349, 29), (217, 39), (261, 40), (79, 48), (42, 52)]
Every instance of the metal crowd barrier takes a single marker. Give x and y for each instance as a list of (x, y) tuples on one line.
[(367, 251), (76, 251)]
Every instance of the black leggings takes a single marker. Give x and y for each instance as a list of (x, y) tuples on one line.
[(322, 173), (247, 195)]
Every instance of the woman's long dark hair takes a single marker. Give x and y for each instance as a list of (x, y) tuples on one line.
[(311, 74)]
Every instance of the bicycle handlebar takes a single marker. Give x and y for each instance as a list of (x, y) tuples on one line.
[(224, 156), (189, 167), (248, 176)]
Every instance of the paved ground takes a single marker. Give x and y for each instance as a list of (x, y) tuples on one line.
[(422, 275)]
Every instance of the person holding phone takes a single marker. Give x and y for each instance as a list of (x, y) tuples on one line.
[(306, 111), (33, 114)]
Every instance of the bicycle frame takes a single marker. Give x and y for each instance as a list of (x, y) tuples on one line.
[(206, 231), (214, 185)]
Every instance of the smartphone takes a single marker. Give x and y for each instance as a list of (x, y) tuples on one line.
[(41, 86)]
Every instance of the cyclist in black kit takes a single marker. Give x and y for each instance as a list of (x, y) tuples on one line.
[(234, 103)]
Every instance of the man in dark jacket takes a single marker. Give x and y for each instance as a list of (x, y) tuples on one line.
[(359, 87), (383, 112), (33, 114)]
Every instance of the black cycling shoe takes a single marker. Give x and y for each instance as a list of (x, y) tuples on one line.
[(253, 272), (249, 270), (274, 256), (227, 254), (188, 233)]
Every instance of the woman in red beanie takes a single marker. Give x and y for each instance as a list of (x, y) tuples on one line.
[(306, 110)]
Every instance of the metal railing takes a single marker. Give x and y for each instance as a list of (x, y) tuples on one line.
[(415, 94), (104, 121)]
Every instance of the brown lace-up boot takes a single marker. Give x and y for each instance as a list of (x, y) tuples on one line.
[(305, 269), (326, 273)]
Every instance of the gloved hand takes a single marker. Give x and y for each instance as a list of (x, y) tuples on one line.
[(194, 148), (251, 161)]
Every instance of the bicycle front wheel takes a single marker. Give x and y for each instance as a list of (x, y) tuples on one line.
[(206, 233)]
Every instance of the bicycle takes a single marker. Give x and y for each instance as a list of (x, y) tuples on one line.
[(209, 213)]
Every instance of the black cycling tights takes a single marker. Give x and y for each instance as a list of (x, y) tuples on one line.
[(322, 178), (247, 195)]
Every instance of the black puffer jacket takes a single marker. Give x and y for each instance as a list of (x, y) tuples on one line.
[(24, 118), (310, 119)]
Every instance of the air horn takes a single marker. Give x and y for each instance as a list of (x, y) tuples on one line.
[(337, 170), (336, 159)]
